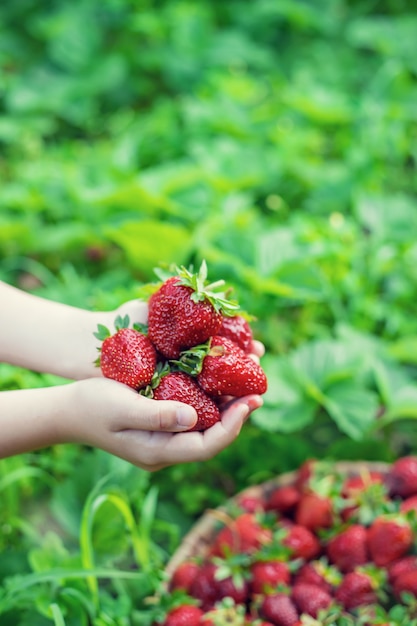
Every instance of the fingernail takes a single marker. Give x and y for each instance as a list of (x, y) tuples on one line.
[(186, 416), (255, 403), (244, 412)]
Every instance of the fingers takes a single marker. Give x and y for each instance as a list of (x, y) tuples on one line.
[(135, 309), (150, 433), (154, 451), (201, 446), (162, 415)]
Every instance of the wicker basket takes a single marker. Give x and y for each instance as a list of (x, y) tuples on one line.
[(198, 540)]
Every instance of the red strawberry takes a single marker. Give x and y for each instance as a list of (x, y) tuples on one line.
[(237, 329), (405, 564), (310, 599), (216, 580), (244, 534), (279, 609), (267, 574), (128, 356), (184, 575), (356, 589), (227, 370), (184, 615), (348, 548), (183, 388), (366, 497), (320, 574), (389, 538), (302, 543), (251, 503), (357, 483), (185, 312), (409, 504), (314, 511), (283, 499), (304, 473), (405, 583), (402, 477), (204, 587)]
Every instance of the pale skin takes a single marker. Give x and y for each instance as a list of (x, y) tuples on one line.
[(47, 336)]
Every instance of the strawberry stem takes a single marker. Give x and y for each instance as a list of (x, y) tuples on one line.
[(191, 361), (203, 291)]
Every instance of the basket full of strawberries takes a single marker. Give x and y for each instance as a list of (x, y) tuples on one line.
[(331, 543)]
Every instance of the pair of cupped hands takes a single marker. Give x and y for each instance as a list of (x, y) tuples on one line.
[(149, 433)]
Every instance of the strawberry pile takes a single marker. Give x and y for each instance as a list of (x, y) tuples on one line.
[(195, 348), (330, 547)]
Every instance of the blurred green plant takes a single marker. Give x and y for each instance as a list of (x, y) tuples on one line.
[(277, 141)]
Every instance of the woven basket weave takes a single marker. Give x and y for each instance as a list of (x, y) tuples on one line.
[(198, 540)]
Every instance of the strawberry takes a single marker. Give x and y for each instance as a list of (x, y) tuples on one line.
[(127, 356), (405, 583), (227, 370), (318, 573), (217, 579), (353, 485), (405, 564), (301, 541), (204, 586), (283, 499), (356, 589), (310, 599), (304, 474), (349, 548), (183, 388), (251, 503), (225, 612), (244, 534), (185, 311), (279, 609), (389, 538), (409, 504), (268, 574), (183, 576), (184, 615), (402, 477), (314, 511), (237, 329), (365, 498)]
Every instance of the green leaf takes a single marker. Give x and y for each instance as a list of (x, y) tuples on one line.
[(321, 363), (149, 243), (403, 405), (121, 322), (352, 408), (286, 418), (102, 332)]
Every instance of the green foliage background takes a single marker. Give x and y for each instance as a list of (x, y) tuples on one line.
[(275, 139)]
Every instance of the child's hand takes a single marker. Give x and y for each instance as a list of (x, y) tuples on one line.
[(147, 433)]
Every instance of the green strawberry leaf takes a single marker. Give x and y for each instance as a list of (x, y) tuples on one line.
[(402, 405), (121, 322), (102, 332), (286, 418), (141, 328), (353, 408)]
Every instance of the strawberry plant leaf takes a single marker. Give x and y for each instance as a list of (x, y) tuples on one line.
[(286, 418), (353, 408)]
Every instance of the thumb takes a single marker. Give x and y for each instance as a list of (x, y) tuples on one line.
[(159, 415)]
